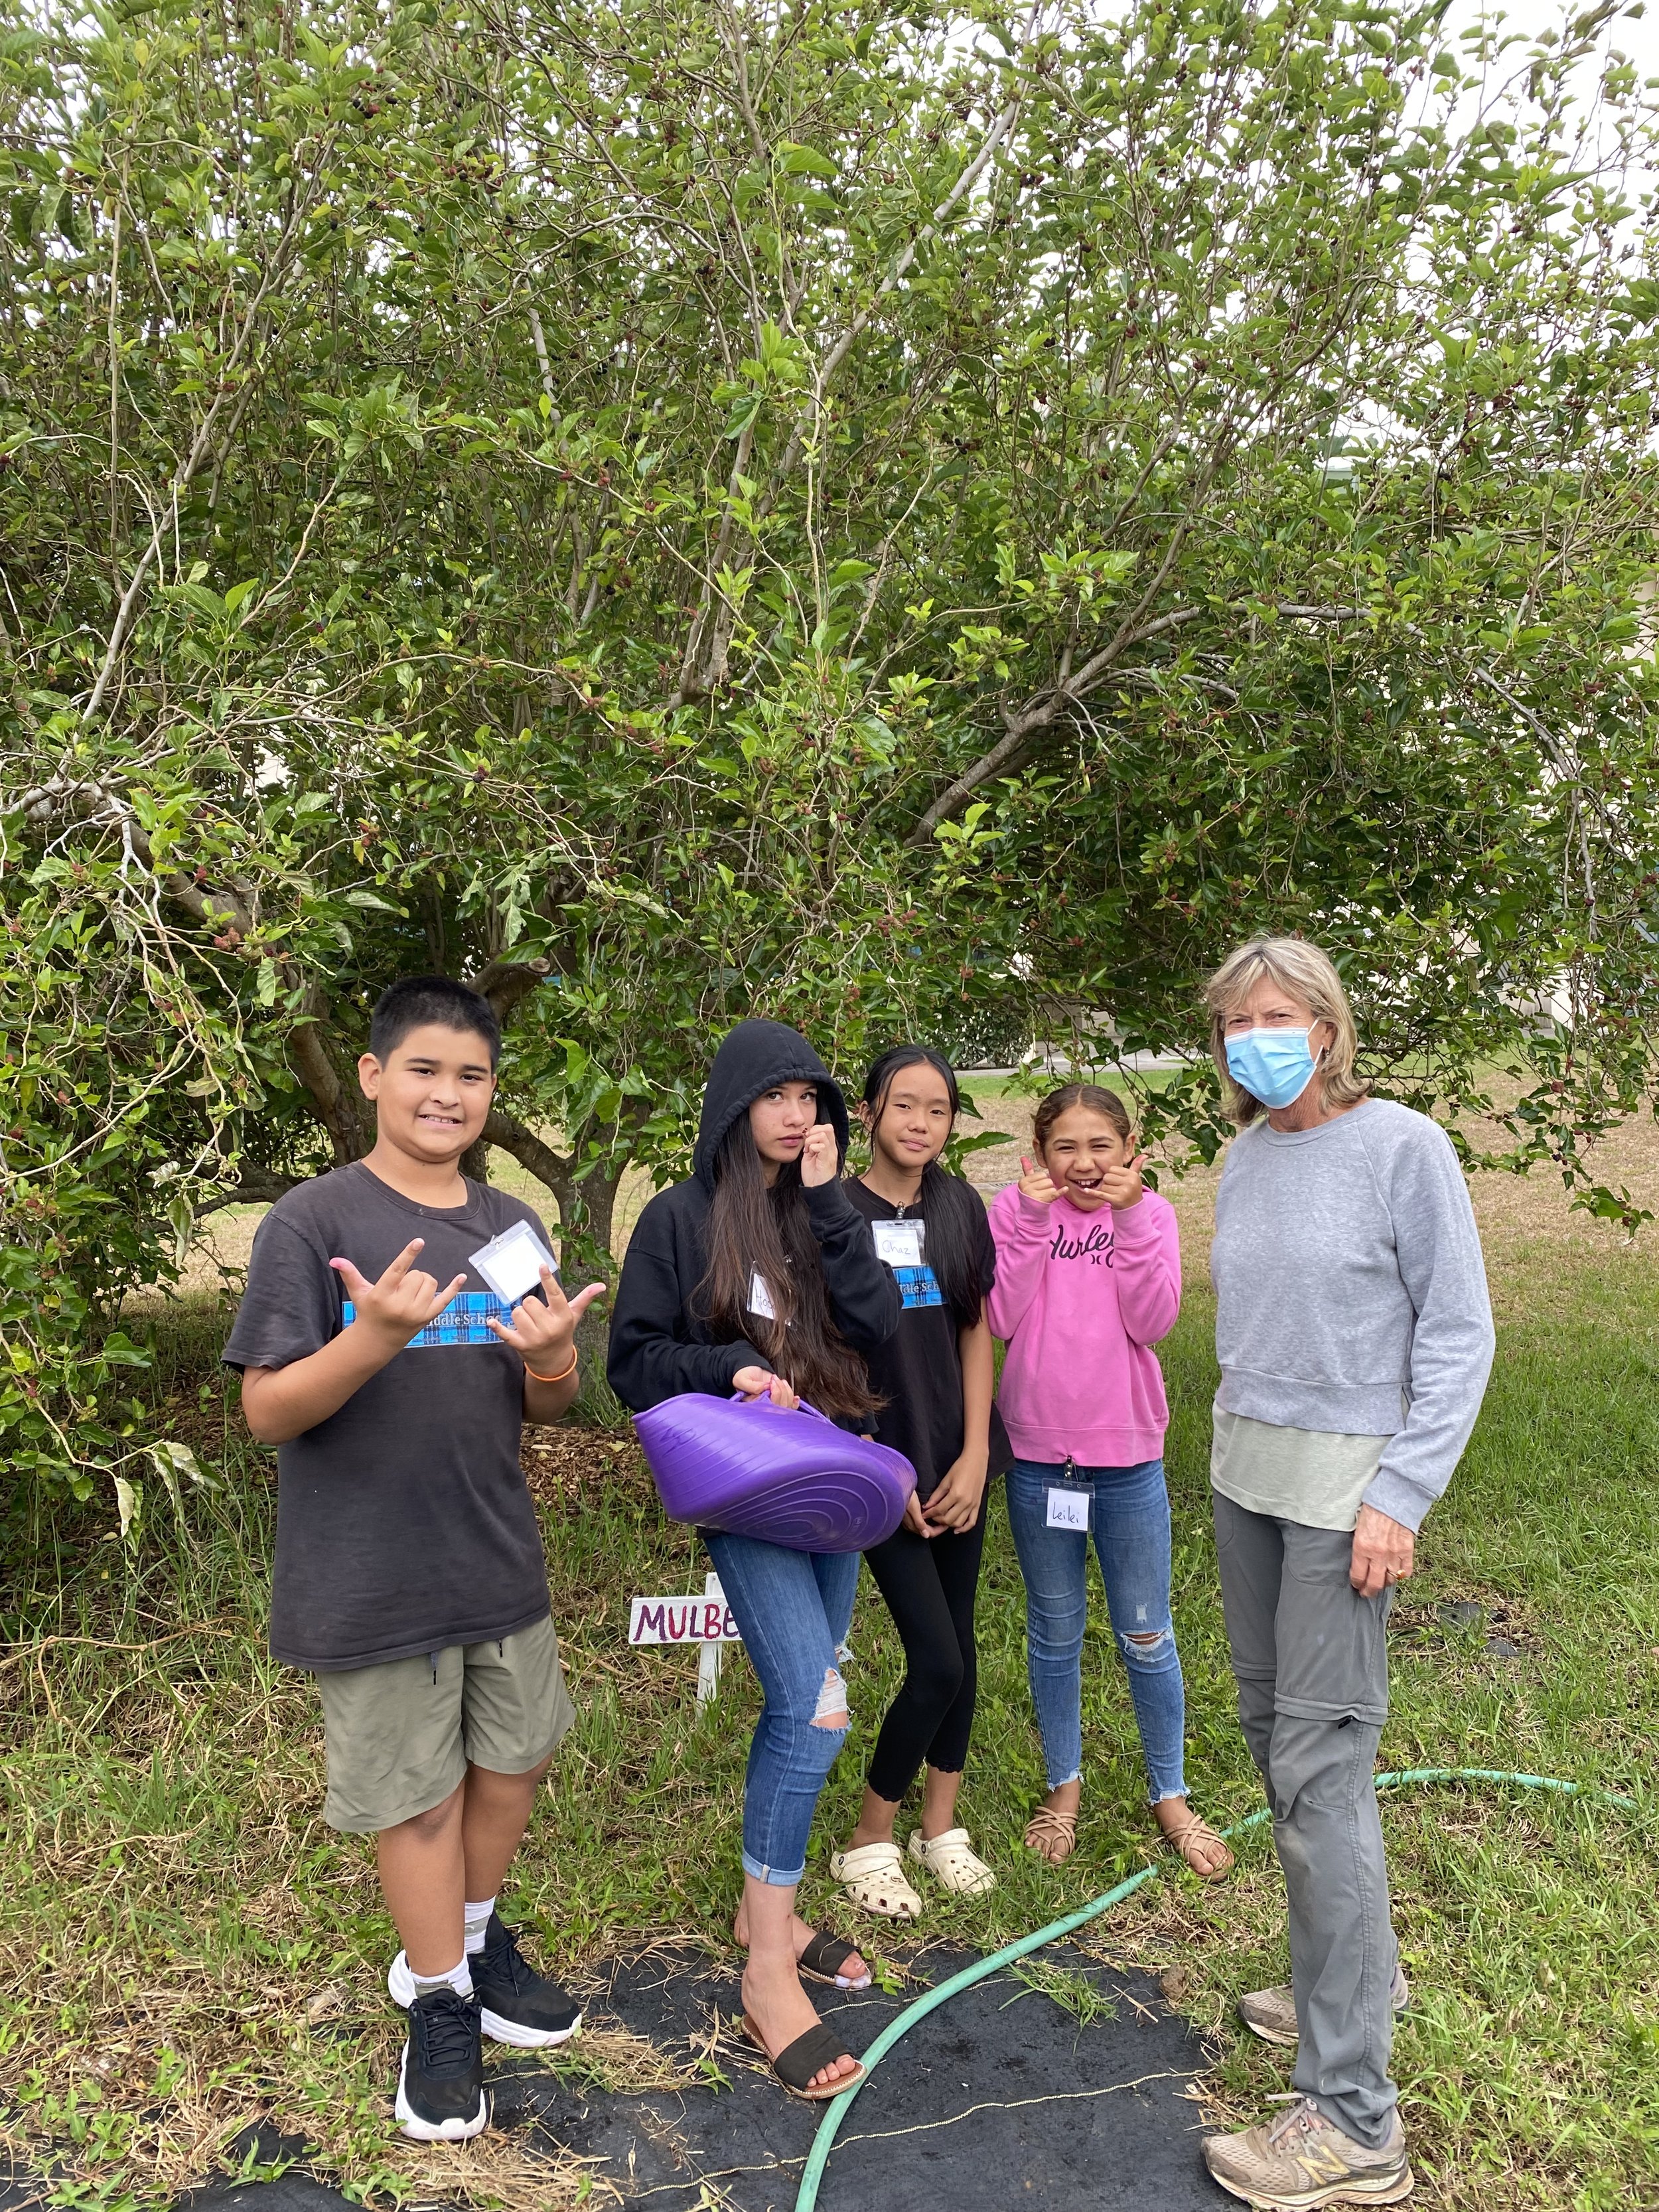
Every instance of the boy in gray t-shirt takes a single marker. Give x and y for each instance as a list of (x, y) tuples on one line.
[(408, 1574)]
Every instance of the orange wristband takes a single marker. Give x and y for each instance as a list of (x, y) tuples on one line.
[(563, 1375)]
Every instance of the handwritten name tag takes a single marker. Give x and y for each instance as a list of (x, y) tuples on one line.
[(1069, 1508), (760, 1298), (898, 1242)]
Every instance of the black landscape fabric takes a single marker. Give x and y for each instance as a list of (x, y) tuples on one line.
[(1002, 2097)]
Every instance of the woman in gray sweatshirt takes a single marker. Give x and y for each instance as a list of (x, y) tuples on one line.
[(1354, 1336)]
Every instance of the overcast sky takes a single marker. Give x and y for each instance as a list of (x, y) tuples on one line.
[(1637, 39)]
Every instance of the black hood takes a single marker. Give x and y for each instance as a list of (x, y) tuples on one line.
[(752, 1058)]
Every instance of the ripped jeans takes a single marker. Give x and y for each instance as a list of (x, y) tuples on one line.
[(792, 1610), (1131, 1518)]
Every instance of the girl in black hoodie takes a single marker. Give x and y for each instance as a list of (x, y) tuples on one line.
[(757, 1275)]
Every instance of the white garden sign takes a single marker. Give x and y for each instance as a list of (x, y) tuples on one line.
[(706, 1622)]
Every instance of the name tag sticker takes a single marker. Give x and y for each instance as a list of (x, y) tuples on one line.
[(898, 1242), (1069, 1508), (512, 1263), (760, 1298)]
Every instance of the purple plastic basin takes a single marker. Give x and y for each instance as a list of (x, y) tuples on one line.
[(753, 1469)]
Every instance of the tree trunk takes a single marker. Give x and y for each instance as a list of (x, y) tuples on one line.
[(586, 1213), (587, 1208), (338, 1105)]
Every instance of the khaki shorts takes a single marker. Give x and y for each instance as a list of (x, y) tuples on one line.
[(402, 1735)]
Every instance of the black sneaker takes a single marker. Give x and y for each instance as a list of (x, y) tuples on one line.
[(521, 2006), (440, 2091)]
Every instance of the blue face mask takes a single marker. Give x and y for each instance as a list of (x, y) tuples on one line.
[(1274, 1065)]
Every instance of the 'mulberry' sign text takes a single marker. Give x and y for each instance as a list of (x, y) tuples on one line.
[(682, 1621)]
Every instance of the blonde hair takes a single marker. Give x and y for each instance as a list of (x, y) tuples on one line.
[(1305, 973)]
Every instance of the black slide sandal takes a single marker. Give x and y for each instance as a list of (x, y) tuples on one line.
[(798, 2062), (823, 1959)]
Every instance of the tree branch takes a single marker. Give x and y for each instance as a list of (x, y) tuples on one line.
[(201, 444), (1028, 723), (257, 1187), (504, 982), (276, 270), (347, 1122), (1000, 127), (104, 804), (1564, 766), (1022, 729), (545, 366), (530, 1151), (349, 1125)]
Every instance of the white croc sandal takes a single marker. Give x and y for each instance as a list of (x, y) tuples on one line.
[(874, 1877), (952, 1864)]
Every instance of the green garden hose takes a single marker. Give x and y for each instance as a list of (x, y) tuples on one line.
[(824, 2141)]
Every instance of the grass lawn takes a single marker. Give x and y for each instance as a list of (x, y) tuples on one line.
[(186, 1947)]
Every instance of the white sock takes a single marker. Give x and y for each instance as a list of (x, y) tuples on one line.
[(459, 1978), (476, 1920)]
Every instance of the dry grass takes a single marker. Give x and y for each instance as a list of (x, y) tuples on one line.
[(184, 1943)]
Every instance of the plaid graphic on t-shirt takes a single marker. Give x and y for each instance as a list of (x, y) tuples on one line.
[(461, 1321), (919, 1286)]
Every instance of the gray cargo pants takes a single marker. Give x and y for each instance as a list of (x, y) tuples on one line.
[(1311, 1657)]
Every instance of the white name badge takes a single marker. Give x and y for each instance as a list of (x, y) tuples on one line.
[(1069, 1508), (512, 1263), (898, 1242), (760, 1298)]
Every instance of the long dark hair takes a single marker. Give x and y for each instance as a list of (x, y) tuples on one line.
[(949, 1203), (754, 1230)]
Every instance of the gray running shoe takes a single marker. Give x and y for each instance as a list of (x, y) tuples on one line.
[(1300, 2162), (1271, 2013)]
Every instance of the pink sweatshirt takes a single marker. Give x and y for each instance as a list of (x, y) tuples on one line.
[(1081, 1298)]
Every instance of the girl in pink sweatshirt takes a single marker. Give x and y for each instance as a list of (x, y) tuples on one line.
[(1088, 1279)]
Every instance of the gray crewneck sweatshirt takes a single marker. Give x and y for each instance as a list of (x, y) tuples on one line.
[(1350, 1295)]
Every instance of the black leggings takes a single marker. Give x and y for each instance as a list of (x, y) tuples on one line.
[(929, 1584)]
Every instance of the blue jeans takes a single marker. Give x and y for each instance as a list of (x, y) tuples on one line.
[(1131, 1519), (792, 1610)]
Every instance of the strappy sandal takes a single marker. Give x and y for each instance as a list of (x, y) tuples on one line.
[(823, 1959), (952, 1862), (798, 2062), (1052, 1835), (1193, 1831), (874, 1877)]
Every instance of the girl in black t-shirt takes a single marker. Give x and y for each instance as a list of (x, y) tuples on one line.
[(935, 1374)]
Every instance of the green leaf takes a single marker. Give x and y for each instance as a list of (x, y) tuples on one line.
[(808, 161), (129, 1503), (743, 414)]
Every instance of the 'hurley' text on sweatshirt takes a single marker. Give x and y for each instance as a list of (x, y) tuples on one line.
[(1081, 1298)]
